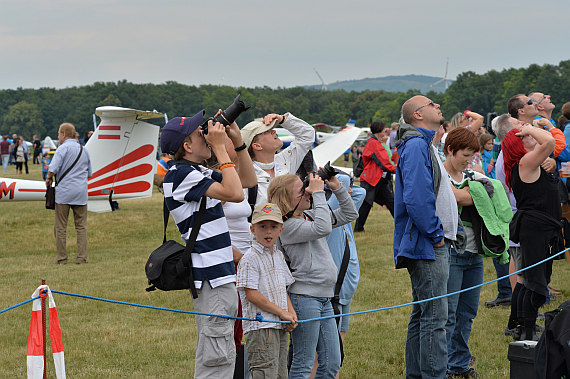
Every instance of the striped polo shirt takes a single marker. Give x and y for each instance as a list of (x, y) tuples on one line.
[(212, 258)]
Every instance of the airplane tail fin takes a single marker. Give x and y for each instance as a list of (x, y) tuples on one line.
[(123, 156)]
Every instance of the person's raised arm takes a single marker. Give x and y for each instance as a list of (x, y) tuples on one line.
[(304, 139), (559, 139), (347, 211), (246, 171), (476, 120), (230, 188), (531, 161)]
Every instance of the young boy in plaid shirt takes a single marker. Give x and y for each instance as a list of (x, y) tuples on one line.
[(262, 280)]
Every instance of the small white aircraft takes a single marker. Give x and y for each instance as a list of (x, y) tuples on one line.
[(335, 146), (49, 144), (123, 161), (332, 145)]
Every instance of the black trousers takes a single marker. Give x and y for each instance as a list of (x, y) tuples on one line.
[(382, 194)]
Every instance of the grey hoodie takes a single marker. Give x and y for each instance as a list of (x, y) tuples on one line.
[(305, 246)]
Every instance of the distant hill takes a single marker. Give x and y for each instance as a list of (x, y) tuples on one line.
[(388, 83)]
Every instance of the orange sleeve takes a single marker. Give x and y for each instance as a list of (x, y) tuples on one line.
[(560, 141)]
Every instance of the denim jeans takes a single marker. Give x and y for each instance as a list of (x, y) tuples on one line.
[(426, 350), (314, 336), (5, 159), (465, 270), (503, 285)]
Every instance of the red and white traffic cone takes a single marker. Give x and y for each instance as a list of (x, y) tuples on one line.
[(36, 343)]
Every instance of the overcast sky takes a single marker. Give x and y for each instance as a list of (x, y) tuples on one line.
[(63, 43)]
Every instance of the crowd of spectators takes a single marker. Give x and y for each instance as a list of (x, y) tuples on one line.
[(277, 238)]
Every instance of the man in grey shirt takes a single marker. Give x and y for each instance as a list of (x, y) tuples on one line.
[(71, 191)]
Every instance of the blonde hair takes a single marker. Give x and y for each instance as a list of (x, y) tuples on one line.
[(67, 129), (279, 191), (456, 121)]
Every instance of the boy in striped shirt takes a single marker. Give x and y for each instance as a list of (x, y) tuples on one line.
[(185, 183)]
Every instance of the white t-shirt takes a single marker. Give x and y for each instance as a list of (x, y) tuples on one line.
[(236, 216)]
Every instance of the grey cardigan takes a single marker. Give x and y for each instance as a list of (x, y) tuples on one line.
[(305, 246)]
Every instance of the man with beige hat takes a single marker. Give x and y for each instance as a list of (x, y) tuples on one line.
[(262, 143)]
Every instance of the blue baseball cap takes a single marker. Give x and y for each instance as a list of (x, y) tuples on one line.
[(176, 129)]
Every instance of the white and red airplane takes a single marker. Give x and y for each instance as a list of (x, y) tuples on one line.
[(123, 161)]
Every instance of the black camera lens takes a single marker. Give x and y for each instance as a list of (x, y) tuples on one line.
[(228, 115), (325, 173), (232, 112)]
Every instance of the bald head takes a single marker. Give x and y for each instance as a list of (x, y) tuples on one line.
[(409, 106), (423, 112)]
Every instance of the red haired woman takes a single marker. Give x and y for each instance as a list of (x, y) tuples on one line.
[(536, 224)]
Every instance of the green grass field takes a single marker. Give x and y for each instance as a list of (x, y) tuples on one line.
[(109, 340)]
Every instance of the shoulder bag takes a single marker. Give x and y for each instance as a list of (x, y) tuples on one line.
[(169, 267), (50, 191)]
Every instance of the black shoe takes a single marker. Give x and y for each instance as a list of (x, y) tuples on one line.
[(467, 374), (358, 230), (530, 337), (518, 333), (498, 301)]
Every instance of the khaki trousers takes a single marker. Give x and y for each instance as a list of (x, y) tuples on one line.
[(60, 231), (215, 346)]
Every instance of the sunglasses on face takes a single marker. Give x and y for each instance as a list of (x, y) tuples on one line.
[(528, 102), (541, 100), (425, 105)]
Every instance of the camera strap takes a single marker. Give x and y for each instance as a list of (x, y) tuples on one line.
[(290, 214), (335, 301)]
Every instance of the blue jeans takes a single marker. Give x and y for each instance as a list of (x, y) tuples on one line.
[(314, 336), (5, 159), (426, 350), (503, 285), (465, 270)]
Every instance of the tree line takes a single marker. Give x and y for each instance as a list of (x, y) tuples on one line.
[(41, 111)]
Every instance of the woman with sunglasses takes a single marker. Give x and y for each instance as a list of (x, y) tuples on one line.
[(536, 224)]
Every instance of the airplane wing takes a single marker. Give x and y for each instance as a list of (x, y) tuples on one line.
[(335, 146), (118, 112)]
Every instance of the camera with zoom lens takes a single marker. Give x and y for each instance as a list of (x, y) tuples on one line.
[(228, 115), (325, 173)]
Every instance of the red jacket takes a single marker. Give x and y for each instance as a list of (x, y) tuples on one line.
[(373, 153)]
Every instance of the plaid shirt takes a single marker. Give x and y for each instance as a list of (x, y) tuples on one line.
[(268, 273)]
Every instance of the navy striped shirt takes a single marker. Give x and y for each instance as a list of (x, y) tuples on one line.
[(212, 257)]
